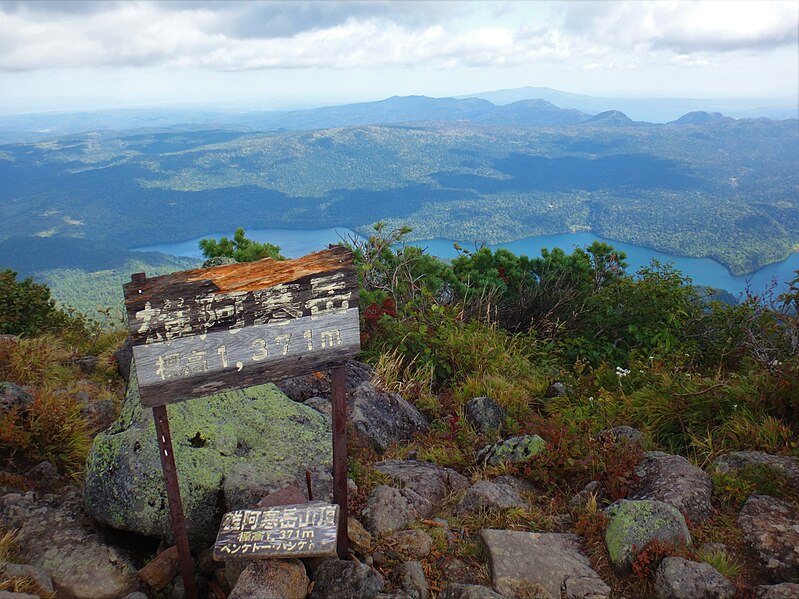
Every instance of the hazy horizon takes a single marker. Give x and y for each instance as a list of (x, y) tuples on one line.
[(65, 56)]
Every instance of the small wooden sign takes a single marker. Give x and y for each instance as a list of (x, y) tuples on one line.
[(302, 530), (203, 331)]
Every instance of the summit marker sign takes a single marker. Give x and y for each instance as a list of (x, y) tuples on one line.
[(203, 331)]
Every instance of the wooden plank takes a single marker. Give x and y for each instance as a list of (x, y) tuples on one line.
[(203, 331), (291, 531), (194, 367)]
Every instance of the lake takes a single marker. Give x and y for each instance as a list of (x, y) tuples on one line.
[(702, 271)]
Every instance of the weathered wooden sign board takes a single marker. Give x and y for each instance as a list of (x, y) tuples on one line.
[(203, 331), (302, 530), (199, 332)]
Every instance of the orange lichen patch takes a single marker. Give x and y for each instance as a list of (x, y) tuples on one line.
[(250, 276)]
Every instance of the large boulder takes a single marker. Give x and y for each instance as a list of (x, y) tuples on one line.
[(336, 579), (674, 480), (255, 437), (634, 524), (53, 537), (540, 565), (485, 415), (269, 578), (771, 527), (488, 496)]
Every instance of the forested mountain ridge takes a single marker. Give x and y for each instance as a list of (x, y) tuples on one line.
[(722, 188)]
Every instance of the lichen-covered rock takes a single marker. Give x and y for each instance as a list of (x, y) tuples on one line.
[(633, 524), (409, 577), (485, 414), (512, 451), (785, 467), (674, 480), (317, 384), (270, 578), (528, 562), (336, 579), (257, 429), (771, 527), (678, 578), (484, 496), (54, 538)]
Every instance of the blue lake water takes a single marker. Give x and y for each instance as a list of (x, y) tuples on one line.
[(702, 271)]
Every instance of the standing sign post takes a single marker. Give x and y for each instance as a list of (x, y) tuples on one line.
[(200, 332)]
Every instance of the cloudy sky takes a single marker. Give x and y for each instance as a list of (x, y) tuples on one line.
[(64, 53)]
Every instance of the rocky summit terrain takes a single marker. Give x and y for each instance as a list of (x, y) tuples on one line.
[(417, 529)]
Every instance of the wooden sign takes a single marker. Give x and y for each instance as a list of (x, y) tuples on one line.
[(303, 530), (203, 331)]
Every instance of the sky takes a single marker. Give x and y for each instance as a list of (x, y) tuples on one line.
[(274, 55)]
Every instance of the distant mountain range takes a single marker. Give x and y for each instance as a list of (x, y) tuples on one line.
[(526, 106)]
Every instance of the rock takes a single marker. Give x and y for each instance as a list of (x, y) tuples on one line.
[(13, 397), (533, 562), (485, 414), (321, 405), (124, 359), (633, 524), (468, 591), (411, 544), (99, 415), (678, 578), (771, 527), (390, 509), (581, 499), (383, 419), (621, 434), (674, 480), (458, 571), (487, 496), (521, 485), (136, 595), (424, 485), (512, 451), (87, 364), (44, 472), (161, 570), (37, 575), (409, 576), (336, 579), (786, 590), (431, 481), (219, 261), (54, 538), (255, 439), (10, 595), (359, 538), (584, 588), (786, 467), (206, 563), (557, 389), (285, 496), (317, 384), (271, 578)]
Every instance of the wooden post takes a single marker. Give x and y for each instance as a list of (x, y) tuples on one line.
[(166, 453), (339, 404), (175, 505)]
